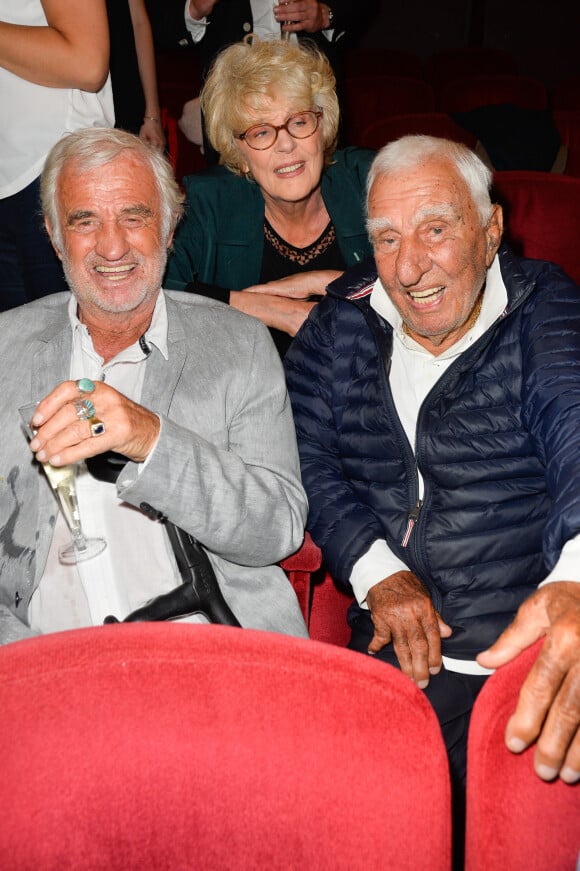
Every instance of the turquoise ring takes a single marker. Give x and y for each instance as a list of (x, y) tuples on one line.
[(85, 385), (85, 409)]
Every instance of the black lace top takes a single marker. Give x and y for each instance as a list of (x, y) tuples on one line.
[(281, 259)]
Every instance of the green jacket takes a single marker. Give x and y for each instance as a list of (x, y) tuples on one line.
[(221, 240)]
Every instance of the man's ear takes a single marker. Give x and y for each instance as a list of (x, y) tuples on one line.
[(494, 232), (51, 237)]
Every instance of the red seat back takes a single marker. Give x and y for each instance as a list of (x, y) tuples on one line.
[(384, 130), (515, 820), (360, 62), (456, 63), (566, 94), (376, 96), (158, 746), (542, 214), (323, 604), (328, 607), (568, 123), (300, 568), (462, 95)]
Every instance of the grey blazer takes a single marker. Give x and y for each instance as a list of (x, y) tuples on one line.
[(225, 467)]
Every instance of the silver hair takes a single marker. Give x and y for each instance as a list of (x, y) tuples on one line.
[(409, 152), (92, 147)]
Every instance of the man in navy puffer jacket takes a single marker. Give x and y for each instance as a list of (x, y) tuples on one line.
[(436, 393)]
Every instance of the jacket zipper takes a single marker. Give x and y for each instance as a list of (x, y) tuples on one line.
[(413, 517)]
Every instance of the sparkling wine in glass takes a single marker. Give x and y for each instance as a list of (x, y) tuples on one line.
[(62, 481)]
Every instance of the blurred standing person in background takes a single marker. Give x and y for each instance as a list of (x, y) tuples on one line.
[(54, 65), (211, 25), (215, 24), (133, 71)]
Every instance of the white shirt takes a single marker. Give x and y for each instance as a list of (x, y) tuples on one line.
[(264, 24), (414, 372), (138, 563), (34, 117)]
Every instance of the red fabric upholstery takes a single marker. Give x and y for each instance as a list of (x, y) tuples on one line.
[(157, 746), (381, 61), (179, 80), (328, 607), (566, 94), (323, 604), (185, 156), (515, 821), (568, 123), (462, 95), (300, 567), (384, 130), (377, 96), (179, 77), (455, 63), (542, 215)]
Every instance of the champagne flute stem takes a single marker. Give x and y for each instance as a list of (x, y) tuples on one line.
[(79, 539)]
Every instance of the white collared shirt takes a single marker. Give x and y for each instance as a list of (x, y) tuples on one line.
[(138, 563), (414, 372), (264, 23)]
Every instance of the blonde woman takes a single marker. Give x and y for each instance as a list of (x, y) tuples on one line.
[(284, 214)]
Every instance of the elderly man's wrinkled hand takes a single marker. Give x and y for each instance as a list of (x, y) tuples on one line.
[(548, 709), (64, 437), (402, 612), (306, 15)]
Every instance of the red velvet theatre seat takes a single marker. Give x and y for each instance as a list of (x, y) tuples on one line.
[(515, 821), (541, 215), (156, 746)]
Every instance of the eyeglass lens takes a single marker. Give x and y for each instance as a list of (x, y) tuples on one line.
[(299, 126)]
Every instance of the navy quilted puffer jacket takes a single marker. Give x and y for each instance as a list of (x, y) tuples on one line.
[(498, 446)]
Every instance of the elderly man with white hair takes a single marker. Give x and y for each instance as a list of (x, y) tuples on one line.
[(436, 394), (134, 388)]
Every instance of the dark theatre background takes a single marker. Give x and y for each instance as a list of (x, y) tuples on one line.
[(409, 58)]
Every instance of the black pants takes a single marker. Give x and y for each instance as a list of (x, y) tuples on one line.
[(29, 268), (452, 696)]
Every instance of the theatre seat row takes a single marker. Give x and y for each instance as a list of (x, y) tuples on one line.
[(378, 95), (174, 747), (455, 65), (382, 83)]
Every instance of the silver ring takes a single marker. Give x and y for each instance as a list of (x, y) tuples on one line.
[(85, 409), (97, 426), (85, 385)]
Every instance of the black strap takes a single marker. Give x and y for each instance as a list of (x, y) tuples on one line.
[(200, 591)]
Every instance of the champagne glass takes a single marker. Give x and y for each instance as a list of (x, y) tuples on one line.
[(62, 481)]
